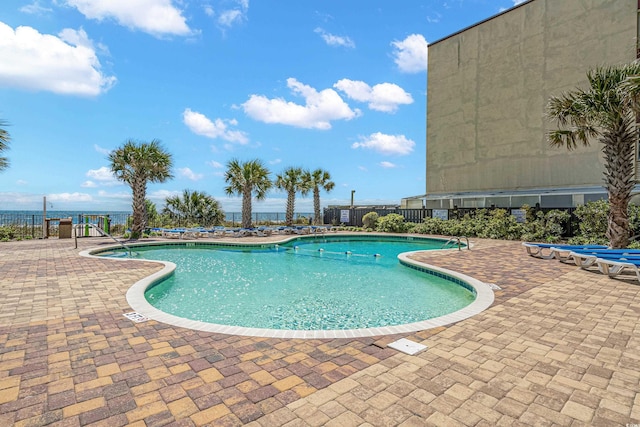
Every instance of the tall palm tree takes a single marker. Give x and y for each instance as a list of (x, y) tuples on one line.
[(4, 145), (138, 163), (603, 112), (195, 208), (318, 180), (245, 179), (290, 181)]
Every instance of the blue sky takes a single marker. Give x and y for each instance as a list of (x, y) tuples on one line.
[(332, 84)]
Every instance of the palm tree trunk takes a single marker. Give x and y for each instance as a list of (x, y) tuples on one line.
[(139, 189), (619, 151), (291, 201), (316, 206), (246, 208)]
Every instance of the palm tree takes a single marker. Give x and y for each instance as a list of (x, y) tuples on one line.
[(244, 179), (4, 145), (194, 207), (317, 180), (291, 181), (603, 111), (152, 213), (138, 163)]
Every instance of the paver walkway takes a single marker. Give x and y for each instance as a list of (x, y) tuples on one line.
[(560, 346)]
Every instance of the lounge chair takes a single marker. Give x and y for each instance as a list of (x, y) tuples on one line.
[(544, 250), (190, 234), (302, 230), (263, 231), (587, 258), (242, 232), (613, 267), (202, 232), (217, 231), (171, 234)]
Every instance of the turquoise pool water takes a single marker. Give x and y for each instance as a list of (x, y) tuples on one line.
[(308, 284)]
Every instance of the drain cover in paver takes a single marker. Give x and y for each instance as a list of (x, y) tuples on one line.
[(136, 317), (407, 346)]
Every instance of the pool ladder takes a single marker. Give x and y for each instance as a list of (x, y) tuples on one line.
[(457, 239)]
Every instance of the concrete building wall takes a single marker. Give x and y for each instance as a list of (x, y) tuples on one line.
[(488, 87)]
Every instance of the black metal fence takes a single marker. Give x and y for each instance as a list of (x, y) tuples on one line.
[(353, 216), (33, 226)]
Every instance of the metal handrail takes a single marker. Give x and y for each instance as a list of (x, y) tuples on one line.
[(101, 231), (456, 239)]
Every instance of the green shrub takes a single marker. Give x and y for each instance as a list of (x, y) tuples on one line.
[(634, 219), (392, 223), (633, 245), (429, 226), (7, 233), (541, 227), (370, 221), (499, 224), (592, 226)]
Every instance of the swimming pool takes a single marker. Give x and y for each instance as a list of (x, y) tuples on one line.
[(310, 286)]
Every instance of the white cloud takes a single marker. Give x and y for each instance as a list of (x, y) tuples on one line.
[(35, 8), (333, 40), (69, 197), (275, 161), (319, 110), (434, 19), (199, 124), (120, 196), (384, 97), (22, 182), (386, 144), (26, 200), (410, 54), (163, 194), (515, 3), (155, 17), (387, 165), (226, 18), (103, 175), (88, 184), (101, 150), (189, 174), (66, 64), (215, 165)]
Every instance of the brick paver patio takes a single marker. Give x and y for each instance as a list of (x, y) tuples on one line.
[(560, 346)]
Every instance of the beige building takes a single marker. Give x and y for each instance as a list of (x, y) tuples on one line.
[(488, 86)]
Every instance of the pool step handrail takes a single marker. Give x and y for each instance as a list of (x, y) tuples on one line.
[(102, 232), (458, 240)]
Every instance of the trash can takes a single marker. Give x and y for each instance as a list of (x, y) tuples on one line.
[(64, 230)]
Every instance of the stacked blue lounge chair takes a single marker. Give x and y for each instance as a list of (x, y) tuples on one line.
[(611, 262), (555, 250)]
